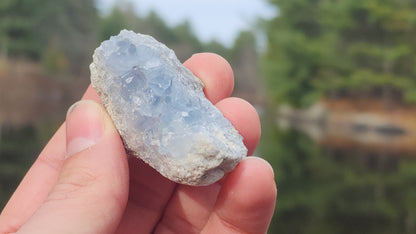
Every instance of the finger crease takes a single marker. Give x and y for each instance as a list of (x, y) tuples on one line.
[(227, 223), (51, 162), (168, 222)]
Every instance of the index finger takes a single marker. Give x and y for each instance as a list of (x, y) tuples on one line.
[(216, 74)]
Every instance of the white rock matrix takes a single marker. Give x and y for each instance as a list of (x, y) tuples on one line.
[(161, 112)]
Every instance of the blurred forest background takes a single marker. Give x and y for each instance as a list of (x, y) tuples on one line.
[(335, 85)]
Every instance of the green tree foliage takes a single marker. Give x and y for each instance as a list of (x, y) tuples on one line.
[(17, 151), (111, 24), (243, 58), (18, 28), (343, 47), (30, 27), (329, 190), (180, 38), (216, 47)]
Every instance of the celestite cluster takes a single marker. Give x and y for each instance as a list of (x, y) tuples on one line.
[(161, 112)]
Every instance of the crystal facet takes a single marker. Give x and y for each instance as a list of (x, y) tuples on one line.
[(161, 112)]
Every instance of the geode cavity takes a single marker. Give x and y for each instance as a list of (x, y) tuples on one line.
[(161, 112)]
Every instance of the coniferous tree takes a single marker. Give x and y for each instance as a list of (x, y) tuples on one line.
[(341, 48)]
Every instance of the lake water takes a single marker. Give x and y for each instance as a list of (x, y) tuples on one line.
[(327, 187)]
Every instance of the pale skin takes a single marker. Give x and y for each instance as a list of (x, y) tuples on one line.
[(98, 189)]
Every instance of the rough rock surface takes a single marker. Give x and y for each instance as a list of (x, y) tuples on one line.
[(161, 112)]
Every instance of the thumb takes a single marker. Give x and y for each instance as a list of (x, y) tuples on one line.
[(92, 189)]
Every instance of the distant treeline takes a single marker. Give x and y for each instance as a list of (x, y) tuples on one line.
[(319, 48), (345, 48), (62, 34)]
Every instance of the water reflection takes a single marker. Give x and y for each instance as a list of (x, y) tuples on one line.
[(327, 185), (391, 131)]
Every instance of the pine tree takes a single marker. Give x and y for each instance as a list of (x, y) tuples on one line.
[(33, 28), (333, 48)]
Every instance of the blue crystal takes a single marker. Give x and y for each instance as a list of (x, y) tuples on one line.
[(161, 112)]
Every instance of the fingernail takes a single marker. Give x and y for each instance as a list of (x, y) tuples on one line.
[(84, 126), (261, 159)]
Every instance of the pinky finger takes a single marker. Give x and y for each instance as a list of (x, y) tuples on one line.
[(246, 201)]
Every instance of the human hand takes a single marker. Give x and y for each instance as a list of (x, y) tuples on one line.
[(83, 182)]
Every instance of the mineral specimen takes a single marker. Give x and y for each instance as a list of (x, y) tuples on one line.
[(161, 112)]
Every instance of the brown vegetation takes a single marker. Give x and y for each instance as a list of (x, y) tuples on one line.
[(28, 95), (371, 125)]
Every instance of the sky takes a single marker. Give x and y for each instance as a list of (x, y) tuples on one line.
[(210, 19)]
